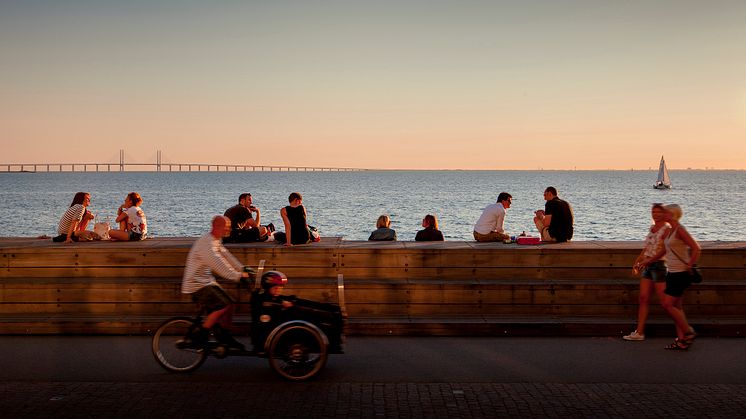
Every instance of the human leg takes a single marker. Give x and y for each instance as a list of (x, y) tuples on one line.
[(543, 230), (676, 284), (492, 236), (122, 235), (643, 308), (672, 306)]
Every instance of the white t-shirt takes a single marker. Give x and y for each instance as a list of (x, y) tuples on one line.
[(136, 221), (492, 219)]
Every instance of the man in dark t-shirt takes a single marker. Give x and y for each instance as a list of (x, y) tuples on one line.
[(244, 227), (555, 222)]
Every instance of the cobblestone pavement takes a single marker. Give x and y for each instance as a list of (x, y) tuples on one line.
[(367, 400)]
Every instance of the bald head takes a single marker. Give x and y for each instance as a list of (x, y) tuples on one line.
[(221, 227)]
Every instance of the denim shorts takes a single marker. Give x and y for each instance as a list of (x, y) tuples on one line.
[(656, 271), (677, 283), (136, 236)]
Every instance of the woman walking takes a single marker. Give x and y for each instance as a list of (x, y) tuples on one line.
[(682, 252), (652, 266)]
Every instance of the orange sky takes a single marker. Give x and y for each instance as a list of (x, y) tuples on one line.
[(411, 84)]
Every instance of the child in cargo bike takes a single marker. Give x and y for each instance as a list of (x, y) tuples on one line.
[(269, 308)]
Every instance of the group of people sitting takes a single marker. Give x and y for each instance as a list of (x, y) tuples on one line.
[(73, 225), (245, 218), (554, 223)]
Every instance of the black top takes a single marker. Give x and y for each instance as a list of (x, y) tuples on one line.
[(298, 226), (560, 228), (429, 235), (383, 234), (238, 215)]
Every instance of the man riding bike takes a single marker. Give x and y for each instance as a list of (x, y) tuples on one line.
[(208, 256)]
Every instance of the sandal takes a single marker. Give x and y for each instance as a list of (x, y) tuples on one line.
[(689, 337), (677, 345)]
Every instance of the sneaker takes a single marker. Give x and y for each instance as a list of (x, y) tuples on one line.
[(634, 336)]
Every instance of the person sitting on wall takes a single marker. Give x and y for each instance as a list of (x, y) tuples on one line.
[(431, 232), (491, 224), (383, 232), (245, 227), (555, 222), (296, 228), (75, 219), (132, 222)]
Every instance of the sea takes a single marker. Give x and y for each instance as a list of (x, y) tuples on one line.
[(608, 205)]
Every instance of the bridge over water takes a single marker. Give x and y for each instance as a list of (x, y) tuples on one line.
[(160, 166)]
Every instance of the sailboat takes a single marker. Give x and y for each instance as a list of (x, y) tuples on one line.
[(664, 181)]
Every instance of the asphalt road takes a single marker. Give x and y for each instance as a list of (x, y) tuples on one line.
[(381, 377), (394, 360)]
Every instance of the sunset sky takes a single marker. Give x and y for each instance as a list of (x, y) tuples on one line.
[(427, 84)]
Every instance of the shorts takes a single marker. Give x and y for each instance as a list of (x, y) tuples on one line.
[(677, 283), (136, 236), (212, 298), (656, 271)]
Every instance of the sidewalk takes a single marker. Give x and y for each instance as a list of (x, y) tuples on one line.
[(368, 400), (379, 377)]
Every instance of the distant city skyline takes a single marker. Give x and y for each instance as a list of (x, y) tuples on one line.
[(474, 85)]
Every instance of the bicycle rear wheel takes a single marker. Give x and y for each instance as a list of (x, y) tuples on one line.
[(169, 348)]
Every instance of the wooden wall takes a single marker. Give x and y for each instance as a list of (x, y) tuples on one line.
[(391, 288)]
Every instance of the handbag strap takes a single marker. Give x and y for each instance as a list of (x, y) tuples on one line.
[(675, 231)]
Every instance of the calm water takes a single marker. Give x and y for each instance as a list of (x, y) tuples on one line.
[(608, 205)]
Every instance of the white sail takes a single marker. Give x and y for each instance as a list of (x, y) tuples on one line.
[(664, 181)]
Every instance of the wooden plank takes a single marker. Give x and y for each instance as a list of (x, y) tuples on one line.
[(94, 272)]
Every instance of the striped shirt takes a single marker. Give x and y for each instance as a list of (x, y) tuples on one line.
[(208, 256), (73, 215)]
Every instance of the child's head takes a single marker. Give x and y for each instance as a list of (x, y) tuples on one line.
[(273, 282), (276, 290)]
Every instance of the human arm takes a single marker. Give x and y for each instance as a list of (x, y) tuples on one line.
[(255, 222), (694, 247), (71, 231), (544, 217), (223, 263), (87, 217), (121, 214), (286, 221), (78, 212)]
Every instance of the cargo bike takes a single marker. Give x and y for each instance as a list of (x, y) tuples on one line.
[(296, 341)]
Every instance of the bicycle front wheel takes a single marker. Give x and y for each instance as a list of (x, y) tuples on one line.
[(297, 351), (170, 350)]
